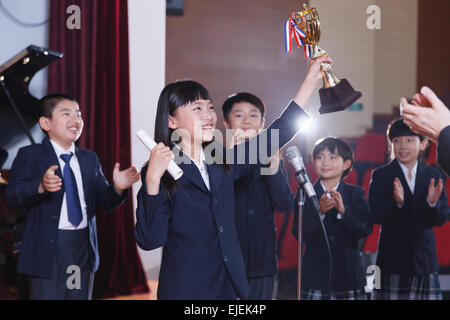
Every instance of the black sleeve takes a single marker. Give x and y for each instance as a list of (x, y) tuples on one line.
[(107, 197), (357, 218), (443, 150), (279, 190), (382, 205)]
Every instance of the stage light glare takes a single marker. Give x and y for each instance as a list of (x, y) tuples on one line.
[(308, 126)]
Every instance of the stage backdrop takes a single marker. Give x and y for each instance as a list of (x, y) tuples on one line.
[(95, 70)]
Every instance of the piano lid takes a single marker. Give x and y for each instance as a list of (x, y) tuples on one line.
[(15, 77)]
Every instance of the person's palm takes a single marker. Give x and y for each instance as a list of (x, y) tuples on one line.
[(434, 191), (124, 179)]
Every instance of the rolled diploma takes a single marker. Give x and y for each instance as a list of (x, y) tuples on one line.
[(173, 169)]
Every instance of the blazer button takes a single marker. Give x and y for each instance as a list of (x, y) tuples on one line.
[(225, 258), (54, 217), (220, 228), (51, 241), (215, 200), (251, 212)]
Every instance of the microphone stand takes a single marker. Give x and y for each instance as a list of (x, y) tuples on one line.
[(316, 208), (300, 201)]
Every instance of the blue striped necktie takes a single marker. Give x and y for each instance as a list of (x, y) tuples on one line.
[(72, 198)]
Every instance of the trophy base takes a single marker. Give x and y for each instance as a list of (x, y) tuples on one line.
[(338, 98)]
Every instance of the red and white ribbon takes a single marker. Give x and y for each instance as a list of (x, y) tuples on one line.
[(293, 32)]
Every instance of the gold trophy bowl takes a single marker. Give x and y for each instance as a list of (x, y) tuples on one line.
[(336, 94)]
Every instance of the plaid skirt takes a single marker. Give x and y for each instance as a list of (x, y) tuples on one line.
[(397, 287), (312, 294)]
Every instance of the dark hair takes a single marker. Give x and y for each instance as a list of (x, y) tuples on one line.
[(335, 146), (48, 103), (242, 97), (398, 128), (173, 96)]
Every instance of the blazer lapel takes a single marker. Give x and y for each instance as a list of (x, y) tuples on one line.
[(215, 172), (50, 158), (190, 171), (318, 188), (345, 195), (421, 186), (398, 172)]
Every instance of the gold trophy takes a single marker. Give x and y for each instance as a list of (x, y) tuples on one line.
[(336, 94)]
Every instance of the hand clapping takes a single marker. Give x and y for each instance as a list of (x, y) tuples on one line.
[(331, 199)]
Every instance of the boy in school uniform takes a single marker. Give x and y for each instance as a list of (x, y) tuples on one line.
[(346, 218), (57, 186), (257, 196), (407, 198)]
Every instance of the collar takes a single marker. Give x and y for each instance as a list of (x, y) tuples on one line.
[(324, 189), (406, 170), (202, 156), (60, 150)]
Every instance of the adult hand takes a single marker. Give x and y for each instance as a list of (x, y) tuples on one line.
[(427, 115)]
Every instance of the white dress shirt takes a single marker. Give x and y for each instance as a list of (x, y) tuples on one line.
[(64, 223), (339, 215), (201, 166), (412, 183)]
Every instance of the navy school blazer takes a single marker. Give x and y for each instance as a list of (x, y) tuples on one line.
[(407, 245), (343, 235), (257, 197), (42, 211), (202, 258)]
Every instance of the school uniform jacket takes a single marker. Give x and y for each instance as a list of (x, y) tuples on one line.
[(407, 244), (42, 211), (443, 150), (257, 197), (343, 235), (202, 258)]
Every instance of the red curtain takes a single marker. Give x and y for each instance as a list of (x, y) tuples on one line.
[(95, 70)]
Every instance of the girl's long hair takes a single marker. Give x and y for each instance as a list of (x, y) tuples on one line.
[(173, 96)]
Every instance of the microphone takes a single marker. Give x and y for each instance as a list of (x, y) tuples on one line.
[(295, 159), (173, 169)]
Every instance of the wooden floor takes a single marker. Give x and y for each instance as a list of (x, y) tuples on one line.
[(11, 293), (152, 284)]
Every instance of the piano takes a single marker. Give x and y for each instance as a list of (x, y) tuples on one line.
[(19, 127)]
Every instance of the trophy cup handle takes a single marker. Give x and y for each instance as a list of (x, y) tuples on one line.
[(329, 78)]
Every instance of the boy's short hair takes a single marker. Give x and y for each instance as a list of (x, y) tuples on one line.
[(48, 103), (398, 128), (335, 146), (242, 97)]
